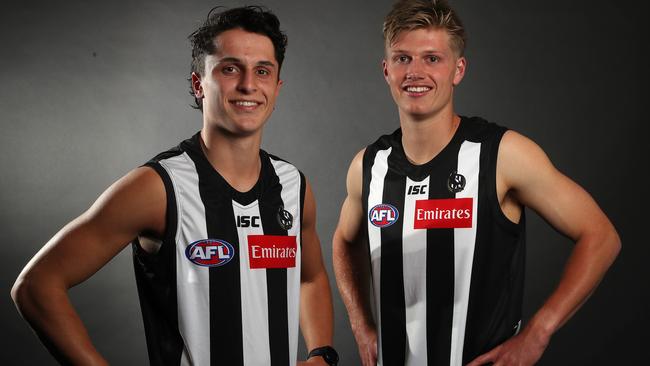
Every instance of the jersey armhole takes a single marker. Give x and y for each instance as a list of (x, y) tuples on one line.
[(303, 188), (171, 211), (497, 212)]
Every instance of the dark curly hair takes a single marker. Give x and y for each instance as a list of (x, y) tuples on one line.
[(255, 19)]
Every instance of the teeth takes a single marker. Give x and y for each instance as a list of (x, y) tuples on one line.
[(245, 103), (417, 89)]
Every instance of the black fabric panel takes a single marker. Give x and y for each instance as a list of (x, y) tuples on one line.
[(440, 264), (276, 278), (155, 276), (226, 340), (303, 188), (368, 158), (393, 313), (496, 290)]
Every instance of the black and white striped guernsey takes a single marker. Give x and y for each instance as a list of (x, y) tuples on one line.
[(223, 289), (447, 265)]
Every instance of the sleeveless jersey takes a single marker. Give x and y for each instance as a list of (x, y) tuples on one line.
[(223, 289), (447, 265)]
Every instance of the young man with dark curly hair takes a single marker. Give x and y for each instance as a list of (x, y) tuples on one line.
[(440, 203), (226, 255)]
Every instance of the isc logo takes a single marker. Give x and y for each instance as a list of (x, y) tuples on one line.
[(417, 189), (210, 252), (248, 221), (383, 215)]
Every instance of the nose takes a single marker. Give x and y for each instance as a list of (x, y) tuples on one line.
[(246, 83), (414, 71)]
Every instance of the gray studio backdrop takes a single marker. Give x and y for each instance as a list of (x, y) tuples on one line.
[(92, 89)]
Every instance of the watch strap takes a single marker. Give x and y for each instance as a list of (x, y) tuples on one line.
[(328, 353)]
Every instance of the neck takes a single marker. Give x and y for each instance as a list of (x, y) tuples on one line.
[(236, 158), (424, 138)]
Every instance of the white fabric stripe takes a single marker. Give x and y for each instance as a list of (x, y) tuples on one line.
[(192, 281), (254, 301), (464, 242), (290, 180), (375, 197), (414, 259)]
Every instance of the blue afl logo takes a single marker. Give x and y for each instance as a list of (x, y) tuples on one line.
[(210, 252), (383, 215)]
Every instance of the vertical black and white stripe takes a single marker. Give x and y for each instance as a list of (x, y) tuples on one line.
[(230, 314), (442, 296)]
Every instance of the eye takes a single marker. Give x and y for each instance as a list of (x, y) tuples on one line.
[(433, 59), (402, 59), (263, 72), (229, 69)]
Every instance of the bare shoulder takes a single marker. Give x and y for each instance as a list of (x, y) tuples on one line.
[(137, 198), (517, 148), (355, 175), (521, 160)]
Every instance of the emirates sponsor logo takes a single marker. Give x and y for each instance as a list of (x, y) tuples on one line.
[(272, 251), (443, 213)]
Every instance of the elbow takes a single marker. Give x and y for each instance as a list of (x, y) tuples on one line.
[(30, 294), (616, 243), (610, 245), (340, 246), (317, 278), (613, 240), (20, 293)]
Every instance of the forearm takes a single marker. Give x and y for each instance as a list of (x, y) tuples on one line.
[(588, 263), (316, 314), (352, 277), (49, 312)]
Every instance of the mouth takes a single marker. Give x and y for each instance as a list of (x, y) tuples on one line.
[(245, 104), (416, 90)]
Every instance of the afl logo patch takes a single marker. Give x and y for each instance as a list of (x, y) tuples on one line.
[(383, 215), (210, 252), (285, 218), (455, 182)]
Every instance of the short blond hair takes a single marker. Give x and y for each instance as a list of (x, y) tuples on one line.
[(408, 15)]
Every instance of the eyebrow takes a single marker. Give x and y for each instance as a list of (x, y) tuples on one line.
[(425, 52), (236, 60)]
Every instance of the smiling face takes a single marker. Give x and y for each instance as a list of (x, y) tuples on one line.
[(240, 82), (421, 70)]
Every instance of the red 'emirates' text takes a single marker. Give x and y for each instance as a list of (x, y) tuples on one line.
[(443, 213)]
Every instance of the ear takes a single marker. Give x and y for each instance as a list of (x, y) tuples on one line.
[(461, 65), (196, 85), (279, 86), (384, 67)]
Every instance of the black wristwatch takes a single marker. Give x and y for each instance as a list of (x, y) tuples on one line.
[(327, 353)]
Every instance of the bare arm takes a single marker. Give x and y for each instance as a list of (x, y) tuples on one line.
[(351, 265), (316, 312), (134, 204), (525, 172)]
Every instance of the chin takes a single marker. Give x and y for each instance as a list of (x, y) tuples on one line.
[(419, 112), (248, 128)]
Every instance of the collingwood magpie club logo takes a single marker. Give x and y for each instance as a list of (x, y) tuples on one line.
[(455, 182), (285, 219)]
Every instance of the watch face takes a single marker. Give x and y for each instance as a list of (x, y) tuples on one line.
[(331, 357)]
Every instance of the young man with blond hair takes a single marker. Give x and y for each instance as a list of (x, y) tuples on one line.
[(440, 203)]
